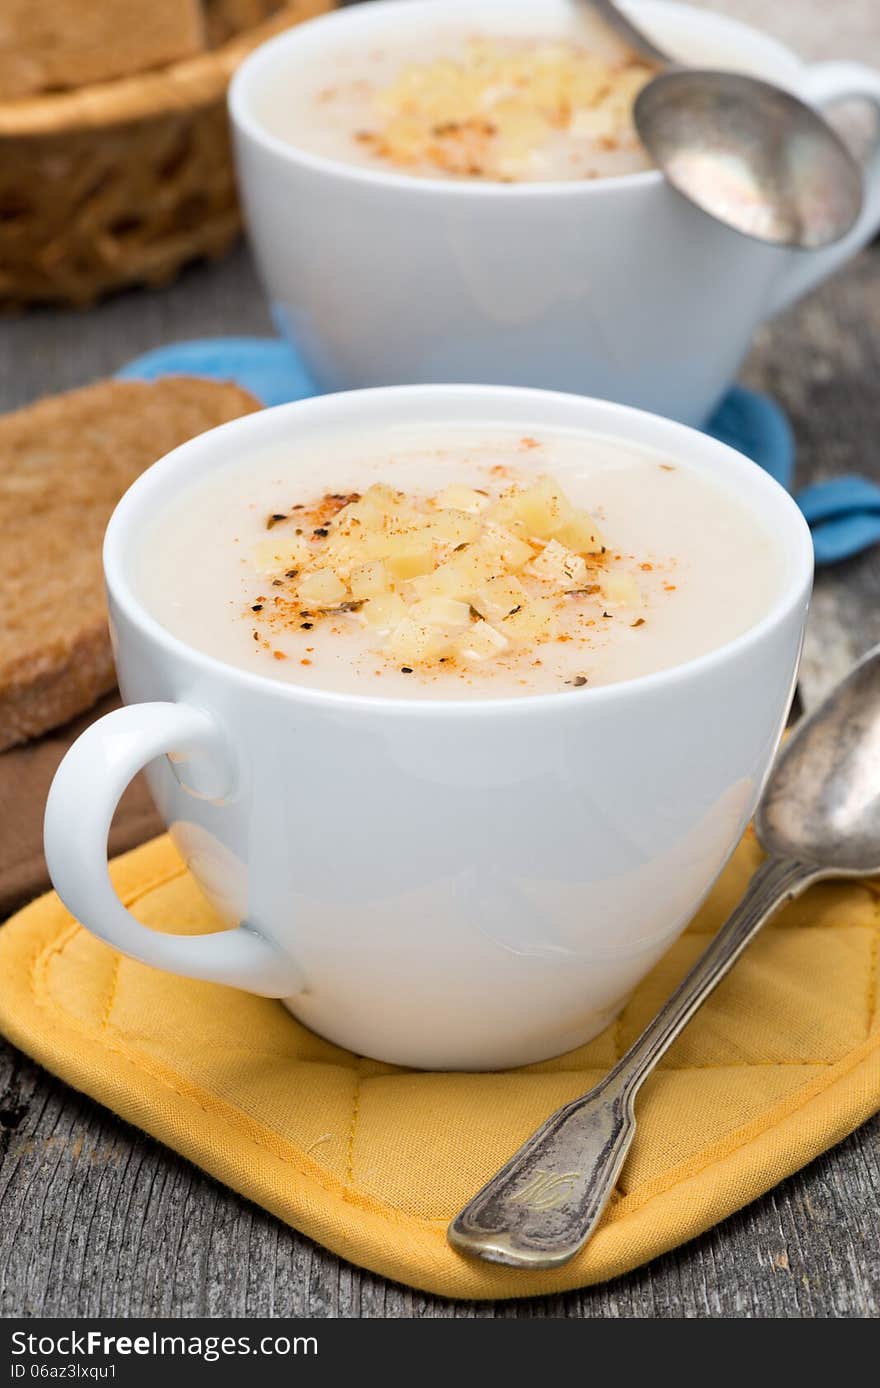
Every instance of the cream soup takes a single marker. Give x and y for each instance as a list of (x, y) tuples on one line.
[(450, 103), (448, 562)]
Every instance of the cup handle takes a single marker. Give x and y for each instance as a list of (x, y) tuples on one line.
[(80, 808), (826, 83)]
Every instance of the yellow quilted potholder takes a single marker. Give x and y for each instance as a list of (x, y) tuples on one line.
[(373, 1161)]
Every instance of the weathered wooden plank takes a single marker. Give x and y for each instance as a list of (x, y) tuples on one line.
[(822, 363), (100, 1220)]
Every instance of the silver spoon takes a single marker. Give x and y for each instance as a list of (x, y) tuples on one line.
[(819, 817), (746, 152)]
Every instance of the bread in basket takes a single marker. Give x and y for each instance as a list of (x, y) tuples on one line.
[(122, 181)]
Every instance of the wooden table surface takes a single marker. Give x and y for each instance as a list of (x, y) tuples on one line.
[(100, 1220)]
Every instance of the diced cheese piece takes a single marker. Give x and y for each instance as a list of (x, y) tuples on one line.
[(414, 642), (507, 551), (493, 108), (559, 565), (458, 498), (421, 570), (440, 611), (368, 580), (543, 507), (276, 554), (380, 500), (356, 516), (342, 556), (461, 576), (481, 641), (498, 598), (384, 611), (321, 588), (379, 508), (519, 128), (445, 581), (455, 527), (536, 620), (409, 554), (373, 544), (580, 533), (503, 511), (620, 588)]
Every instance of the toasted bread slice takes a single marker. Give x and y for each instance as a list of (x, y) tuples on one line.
[(64, 464)]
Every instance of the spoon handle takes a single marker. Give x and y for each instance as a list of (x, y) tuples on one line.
[(546, 1201), (617, 20)]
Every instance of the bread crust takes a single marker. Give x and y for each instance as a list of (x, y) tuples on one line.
[(69, 682), (53, 45), (64, 463)]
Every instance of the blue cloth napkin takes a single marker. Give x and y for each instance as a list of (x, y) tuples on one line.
[(843, 513)]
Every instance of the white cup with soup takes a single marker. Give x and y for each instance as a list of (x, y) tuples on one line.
[(454, 699), (609, 286)]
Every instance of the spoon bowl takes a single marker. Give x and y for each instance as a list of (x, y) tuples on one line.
[(751, 155), (821, 805), (744, 151)]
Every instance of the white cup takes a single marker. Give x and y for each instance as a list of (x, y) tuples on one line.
[(436, 883), (617, 287)]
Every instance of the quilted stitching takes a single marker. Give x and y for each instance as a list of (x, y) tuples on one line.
[(234, 1082)]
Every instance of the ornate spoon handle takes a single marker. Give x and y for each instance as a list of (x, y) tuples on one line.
[(546, 1201)]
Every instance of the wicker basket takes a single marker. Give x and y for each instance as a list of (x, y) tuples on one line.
[(122, 182)]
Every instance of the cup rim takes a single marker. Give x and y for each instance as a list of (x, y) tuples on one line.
[(249, 71), (793, 593)]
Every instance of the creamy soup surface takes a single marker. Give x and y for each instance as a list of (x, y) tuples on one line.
[(449, 561), (451, 103), (524, 98)]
